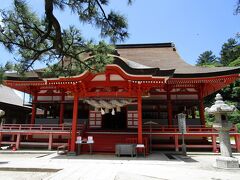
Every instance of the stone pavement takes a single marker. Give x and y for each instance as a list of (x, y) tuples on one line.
[(157, 166)]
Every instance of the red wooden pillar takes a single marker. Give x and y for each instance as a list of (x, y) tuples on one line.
[(201, 106), (50, 141), (237, 142), (214, 143), (61, 114), (140, 138), (201, 112), (74, 124), (0, 138), (169, 109), (18, 141), (34, 108), (176, 142)]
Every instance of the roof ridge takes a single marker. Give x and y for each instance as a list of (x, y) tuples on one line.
[(145, 45)]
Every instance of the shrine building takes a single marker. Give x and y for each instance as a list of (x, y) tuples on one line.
[(135, 100)]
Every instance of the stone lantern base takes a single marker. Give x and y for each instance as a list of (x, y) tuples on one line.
[(227, 162)]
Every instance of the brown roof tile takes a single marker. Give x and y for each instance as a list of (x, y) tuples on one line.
[(161, 56), (164, 57)]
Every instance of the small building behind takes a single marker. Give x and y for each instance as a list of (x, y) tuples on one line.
[(12, 104)]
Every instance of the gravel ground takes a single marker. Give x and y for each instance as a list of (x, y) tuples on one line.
[(157, 166), (15, 175)]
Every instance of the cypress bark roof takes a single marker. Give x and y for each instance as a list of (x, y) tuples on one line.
[(165, 57), (159, 59)]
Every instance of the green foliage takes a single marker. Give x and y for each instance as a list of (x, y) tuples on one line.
[(234, 117), (99, 53), (208, 59), (209, 120), (7, 67), (34, 38), (238, 127), (230, 52), (230, 56), (2, 71), (235, 93), (235, 62)]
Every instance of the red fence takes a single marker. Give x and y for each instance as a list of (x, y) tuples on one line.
[(189, 129), (20, 133), (38, 127)]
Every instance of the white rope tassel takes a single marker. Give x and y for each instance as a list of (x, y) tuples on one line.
[(102, 111), (113, 111)]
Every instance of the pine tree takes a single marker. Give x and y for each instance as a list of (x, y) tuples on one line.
[(43, 39), (207, 58), (230, 56), (230, 52)]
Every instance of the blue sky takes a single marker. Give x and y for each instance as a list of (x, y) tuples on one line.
[(194, 26)]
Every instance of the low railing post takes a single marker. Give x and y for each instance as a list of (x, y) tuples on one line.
[(50, 140), (237, 142), (176, 143), (214, 143), (18, 141), (0, 138)]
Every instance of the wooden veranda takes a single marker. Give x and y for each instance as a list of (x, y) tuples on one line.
[(21, 135), (144, 80)]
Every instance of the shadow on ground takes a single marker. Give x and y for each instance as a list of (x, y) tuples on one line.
[(186, 159), (155, 156), (4, 162), (128, 176)]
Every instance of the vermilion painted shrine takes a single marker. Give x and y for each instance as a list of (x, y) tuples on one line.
[(137, 96)]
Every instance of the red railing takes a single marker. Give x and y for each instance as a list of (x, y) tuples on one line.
[(146, 128), (38, 127), (174, 129)]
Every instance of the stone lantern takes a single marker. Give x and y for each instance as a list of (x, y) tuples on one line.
[(221, 124), (2, 113)]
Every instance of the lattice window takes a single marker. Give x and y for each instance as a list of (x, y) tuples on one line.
[(132, 119), (95, 119)]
